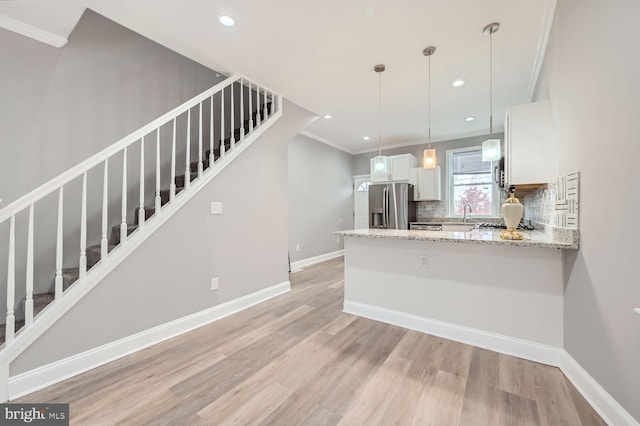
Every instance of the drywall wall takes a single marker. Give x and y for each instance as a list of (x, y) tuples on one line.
[(320, 197), (60, 106), (595, 97), (169, 275)]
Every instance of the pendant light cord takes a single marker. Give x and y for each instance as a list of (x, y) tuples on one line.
[(429, 97), (491, 83), (379, 113)]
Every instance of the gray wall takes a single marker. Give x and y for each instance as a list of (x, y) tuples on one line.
[(60, 106), (595, 99), (320, 197), (169, 275), (425, 209)]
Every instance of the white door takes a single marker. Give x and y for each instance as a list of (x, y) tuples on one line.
[(361, 201)]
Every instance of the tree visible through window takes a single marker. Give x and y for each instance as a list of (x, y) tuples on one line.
[(471, 183)]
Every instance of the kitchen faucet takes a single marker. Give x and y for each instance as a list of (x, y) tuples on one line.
[(465, 218)]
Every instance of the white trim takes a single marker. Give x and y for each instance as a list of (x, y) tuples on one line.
[(41, 377), (56, 310), (508, 345), (601, 401), (316, 259), (32, 32), (325, 141), (543, 41)]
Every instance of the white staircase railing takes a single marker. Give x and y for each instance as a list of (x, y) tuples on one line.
[(226, 99)]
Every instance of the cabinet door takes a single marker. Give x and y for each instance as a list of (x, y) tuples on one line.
[(401, 165), (428, 187), (376, 176), (530, 154)]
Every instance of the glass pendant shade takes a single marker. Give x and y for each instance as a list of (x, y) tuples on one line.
[(491, 150), (429, 159), (379, 164)]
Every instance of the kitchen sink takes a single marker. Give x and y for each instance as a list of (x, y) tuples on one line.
[(458, 227)]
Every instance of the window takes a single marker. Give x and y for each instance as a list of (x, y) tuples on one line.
[(470, 181), (363, 187)]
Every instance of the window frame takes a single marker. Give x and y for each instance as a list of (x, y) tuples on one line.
[(495, 191)]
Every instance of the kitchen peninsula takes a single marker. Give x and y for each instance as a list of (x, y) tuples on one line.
[(471, 287)]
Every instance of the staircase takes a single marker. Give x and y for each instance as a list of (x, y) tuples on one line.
[(232, 99)]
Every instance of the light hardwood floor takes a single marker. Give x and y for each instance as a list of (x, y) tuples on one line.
[(299, 360)]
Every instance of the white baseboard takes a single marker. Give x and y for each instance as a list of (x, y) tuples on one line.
[(41, 377), (601, 401), (508, 345), (316, 259)]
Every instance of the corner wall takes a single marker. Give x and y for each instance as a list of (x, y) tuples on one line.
[(590, 76), (169, 275)]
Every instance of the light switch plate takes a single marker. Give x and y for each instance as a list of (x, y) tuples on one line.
[(215, 283), (216, 207)]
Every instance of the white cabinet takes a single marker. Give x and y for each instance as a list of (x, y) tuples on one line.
[(530, 154), (427, 185), (398, 168)]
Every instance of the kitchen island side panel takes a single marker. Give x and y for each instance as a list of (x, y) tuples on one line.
[(510, 291)]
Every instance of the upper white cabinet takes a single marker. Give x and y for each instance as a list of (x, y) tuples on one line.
[(398, 169), (427, 185), (530, 154)]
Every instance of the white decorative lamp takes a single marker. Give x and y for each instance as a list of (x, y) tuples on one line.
[(512, 213), (429, 155), (379, 161), (491, 147)]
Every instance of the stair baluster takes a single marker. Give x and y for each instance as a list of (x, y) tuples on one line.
[(83, 228), (211, 154), (241, 109), (250, 109), (172, 185), (10, 329), (104, 242), (258, 118), (187, 170), (59, 239), (158, 200), (28, 304), (222, 148), (123, 223), (265, 112), (141, 213), (232, 138), (200, 166)]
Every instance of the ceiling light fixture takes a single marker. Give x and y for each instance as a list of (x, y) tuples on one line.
[(491, 147), (429, 155), (459, 82), (366, 138), (379, 163), (227, 21), (328, 116), (470, 118)]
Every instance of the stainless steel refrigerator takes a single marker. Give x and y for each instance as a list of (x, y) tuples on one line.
[(391, 205)]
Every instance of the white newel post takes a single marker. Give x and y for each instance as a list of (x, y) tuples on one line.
[(158, 203), (58, 280), (83, 228), (104, 242), (28, 304)]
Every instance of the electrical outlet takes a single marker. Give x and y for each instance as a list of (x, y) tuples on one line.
[(297, 247), (424, 262), (216, 207), (215, 282)]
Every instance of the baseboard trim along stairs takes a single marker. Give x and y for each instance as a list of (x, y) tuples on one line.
[(601, 401), (47, 375)]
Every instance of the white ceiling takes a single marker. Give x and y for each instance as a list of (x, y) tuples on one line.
[(320, 55)]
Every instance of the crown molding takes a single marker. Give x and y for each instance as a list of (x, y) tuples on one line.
[(32, 32), (543, 41), (326, 141)]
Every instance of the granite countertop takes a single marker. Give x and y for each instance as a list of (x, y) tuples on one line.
[(476, 236)]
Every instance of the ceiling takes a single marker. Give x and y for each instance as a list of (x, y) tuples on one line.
[(321, 55)]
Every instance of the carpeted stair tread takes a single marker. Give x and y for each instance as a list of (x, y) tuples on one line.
[(114, 239), (194, 168), (180, 179), (165, 194), (94, 253), (69, 276)]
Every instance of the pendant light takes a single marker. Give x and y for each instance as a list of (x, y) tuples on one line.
[(491, 147), (379, 164), (429, 155)]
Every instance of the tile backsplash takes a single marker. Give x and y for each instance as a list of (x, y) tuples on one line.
[(557, 204), (426, 210)]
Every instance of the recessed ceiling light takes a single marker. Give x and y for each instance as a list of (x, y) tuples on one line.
[(459, 82), (327, 116), (366, 138), (227, 21), (470, 118)]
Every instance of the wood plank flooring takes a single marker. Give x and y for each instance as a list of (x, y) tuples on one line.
[(299, 360)]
